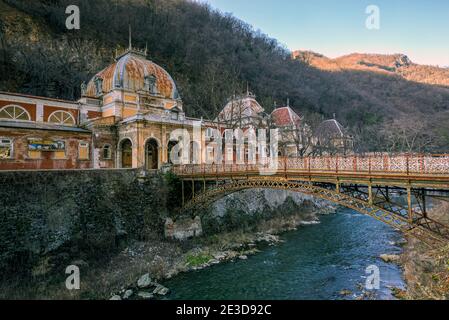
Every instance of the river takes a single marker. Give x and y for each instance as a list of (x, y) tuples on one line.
[(315, 262)]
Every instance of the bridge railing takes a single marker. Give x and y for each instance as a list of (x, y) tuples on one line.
[(404, 164)]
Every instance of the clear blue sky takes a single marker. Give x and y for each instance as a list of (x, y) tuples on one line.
[(418, 28)]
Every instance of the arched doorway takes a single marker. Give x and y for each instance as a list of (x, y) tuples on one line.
[(126, 148), (151, 155)]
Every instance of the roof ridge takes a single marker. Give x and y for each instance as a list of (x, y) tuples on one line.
[(290, 113), (338, 126)]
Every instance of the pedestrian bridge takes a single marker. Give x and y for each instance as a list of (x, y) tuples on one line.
[(394, 189)]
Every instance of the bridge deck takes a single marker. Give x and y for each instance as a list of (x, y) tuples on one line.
[(412, 170), (359, 182)]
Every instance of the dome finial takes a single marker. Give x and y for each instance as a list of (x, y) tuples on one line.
[(130, 38)]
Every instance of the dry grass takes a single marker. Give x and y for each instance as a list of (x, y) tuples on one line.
[(100, 281), (427, 271)]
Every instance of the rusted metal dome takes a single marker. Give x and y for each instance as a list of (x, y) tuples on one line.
[(131, 72)]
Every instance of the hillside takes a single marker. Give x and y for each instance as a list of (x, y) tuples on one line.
[(395, 64), (212, 56)]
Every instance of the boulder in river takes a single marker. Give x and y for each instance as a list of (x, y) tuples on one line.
[(161, 290), (390, 258), (127, 294), (345, 293), (144, 281), (220, 256), (145, 295)]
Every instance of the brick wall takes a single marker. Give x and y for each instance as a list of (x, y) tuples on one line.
[(21, 159)]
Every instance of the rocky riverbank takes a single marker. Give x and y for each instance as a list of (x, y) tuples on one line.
[(426, 270), (237, 226), (208, 251)]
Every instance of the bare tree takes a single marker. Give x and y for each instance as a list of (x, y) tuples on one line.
[(408, 134)]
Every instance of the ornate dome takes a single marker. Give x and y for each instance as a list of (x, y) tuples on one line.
[(132, 71)]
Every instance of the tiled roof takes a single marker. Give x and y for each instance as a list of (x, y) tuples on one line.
[(285, 116), (40, 126), (331, 129)]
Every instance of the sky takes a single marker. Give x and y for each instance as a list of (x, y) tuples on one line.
[(417, 28)]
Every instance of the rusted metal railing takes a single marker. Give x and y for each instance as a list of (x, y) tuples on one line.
[(404, 164)]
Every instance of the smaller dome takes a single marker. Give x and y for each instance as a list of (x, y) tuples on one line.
[(133, 72), (240, 107)]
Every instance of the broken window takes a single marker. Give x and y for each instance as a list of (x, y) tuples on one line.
[(5, 148), (107, 152), (83, 151)]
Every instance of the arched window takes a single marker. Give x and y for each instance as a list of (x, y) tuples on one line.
[(107, 152), (14, 113), (62, 118)]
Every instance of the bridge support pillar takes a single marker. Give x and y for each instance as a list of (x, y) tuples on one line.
[(424, 205), (409, 205), (370, 194), (183, 199)]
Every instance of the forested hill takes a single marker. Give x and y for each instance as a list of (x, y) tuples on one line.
[(391, 64), (211, 56)]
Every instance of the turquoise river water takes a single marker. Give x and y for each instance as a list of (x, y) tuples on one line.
[(315, 262)]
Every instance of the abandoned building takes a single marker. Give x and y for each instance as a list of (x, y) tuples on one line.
[(122, 120)]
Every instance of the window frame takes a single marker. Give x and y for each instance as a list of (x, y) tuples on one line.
[(174, 116), (16, 106), (83, 144), (11, 144), (56, 151), (209, 133), (109, 147), (59, 123)]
